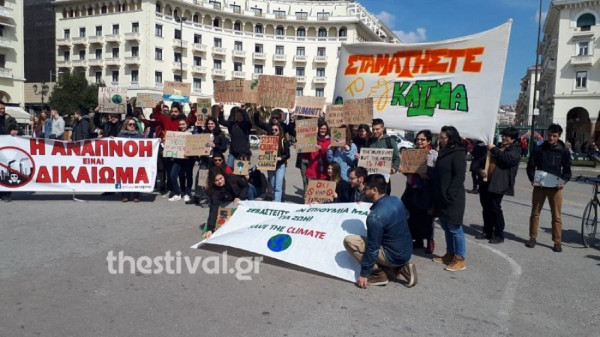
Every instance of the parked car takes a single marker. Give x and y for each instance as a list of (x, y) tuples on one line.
[(254, 140), (402, 142)]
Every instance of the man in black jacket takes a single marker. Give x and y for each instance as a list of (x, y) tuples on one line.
[(81, 128), (8, 126), (239, 131), (554, 158), (501, 174)]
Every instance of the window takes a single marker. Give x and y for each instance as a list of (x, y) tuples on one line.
[(195, 18), (237, 26), (321, 51), (320, 92), (583, 48), (177, 57), (342, 32), (581, 80), (178, 34), (98, 54), (198, 38), (115, 76), (237, 45), (104, 9), (158, 54), (236, 9), (158, 30), (158, 8), (237, 66), (301, 32), (134, 76), (215, 4), (216, 22), (67, 55), (115, 30), (1, 30), (300, 71), (135, 27), (301, 15), (586, 21), (218, 42), (67, 33), (323, 16), (158, 77), (82, 32), (115, 53), (322, 32), (177, 78), (82, 54), (279, 50), (279, 30), (197, 60), (258, 29), (320, 72), (90, 11), (279, 15), (300, 51), (278, 70), (217, 64), (98, 30), (299, 91), (258, 48), (135, 51), (256, 11), (258, 68), (197, 84), (98, 77)]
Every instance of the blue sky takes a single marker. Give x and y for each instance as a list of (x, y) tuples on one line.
[(434, 20)]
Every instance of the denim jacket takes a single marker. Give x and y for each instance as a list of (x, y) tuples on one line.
[(387, 227)]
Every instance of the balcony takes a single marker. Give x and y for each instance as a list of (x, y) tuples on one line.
[(79, 63), (219, 72), (179, 66), (255, 76), (582, 60), (219, 51), (319, 79), (96, 62), (95, 39), (200, 47), (198, 70), (132, 36), (132, 60), (6, 12), (5, 73), (197, 91), (279, 58), (113, 61), (301, 79), (239, 53), (238, 74), (259, 56), (320, 59), (6, 43), (300, 58), (63, 63), (113, 38), (179, 43), (134, 84), (114, 83), (158, 85), (79, 40), (63, 42)]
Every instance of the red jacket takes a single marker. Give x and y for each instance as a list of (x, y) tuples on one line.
[(317, 161)]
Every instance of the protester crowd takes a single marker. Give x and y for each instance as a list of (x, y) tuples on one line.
[(395, 225)]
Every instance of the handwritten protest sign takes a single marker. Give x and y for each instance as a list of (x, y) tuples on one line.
[(202, 178), (175, 144), (376, 160), (223, 215), (309, 106), (335, 116), (359, 111), (306, 135), (197, 145), (148, 100), (267, 153), (177, 91), (277, 91), (338, 137), (112, 100), (237, 90), (319, 191), (203, 109), (240, 167), (414, 161)]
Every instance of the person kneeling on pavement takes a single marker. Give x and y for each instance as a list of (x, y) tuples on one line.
[(388, 245)]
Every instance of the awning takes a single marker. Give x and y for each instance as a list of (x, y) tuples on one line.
[(18, 113)]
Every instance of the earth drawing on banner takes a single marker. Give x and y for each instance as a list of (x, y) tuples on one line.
[(279, 242)]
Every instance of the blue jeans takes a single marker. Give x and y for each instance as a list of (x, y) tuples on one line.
[(276, 181), (174, 177), (455, 239), (230, 160), (252, 192)]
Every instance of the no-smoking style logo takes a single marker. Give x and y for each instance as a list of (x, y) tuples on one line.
[(16, 167)]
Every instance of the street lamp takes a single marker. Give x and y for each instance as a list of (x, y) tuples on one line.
[(181, 20), (537, 80), (42, 90)]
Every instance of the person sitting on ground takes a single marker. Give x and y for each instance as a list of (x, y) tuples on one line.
[(223, 189), (218, 161), (357, 176), (343, 191), (388, 245), (130, 130)]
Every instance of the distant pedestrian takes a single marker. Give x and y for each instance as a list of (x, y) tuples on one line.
[(81, 127)]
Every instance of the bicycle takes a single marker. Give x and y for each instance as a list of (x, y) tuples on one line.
[(589, 221)]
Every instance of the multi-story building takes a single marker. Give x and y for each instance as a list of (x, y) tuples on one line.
[(139, 44), (569, 81), (524, 108), (12, 74), (40, 48)]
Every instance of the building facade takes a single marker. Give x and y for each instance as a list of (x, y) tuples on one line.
[(139, 44), (524, 107), (40, 48), (12, 73), (570, 78)]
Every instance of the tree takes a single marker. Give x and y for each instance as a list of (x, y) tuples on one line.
[(73, 92)]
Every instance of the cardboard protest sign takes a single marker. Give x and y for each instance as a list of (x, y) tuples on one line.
[(334, 116), (148, 100), (267, 153), (202, 177), (240, 167), (376, 160), (428, 85), (177, 91), (277, 91), (309, 106), (338, 137), (197, 145), (237, 90), (319, 191), (203, 110), (306, 135), (175, 144), (414, 161), (223, 215), (112, 100), (358, 111)]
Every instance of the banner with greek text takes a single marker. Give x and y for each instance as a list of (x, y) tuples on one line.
[(428, 85), (94, 165), (310, 236)]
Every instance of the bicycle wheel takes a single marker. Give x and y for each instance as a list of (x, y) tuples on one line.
[(589, 222)]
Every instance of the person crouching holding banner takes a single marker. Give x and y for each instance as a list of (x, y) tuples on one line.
[(388, 245)]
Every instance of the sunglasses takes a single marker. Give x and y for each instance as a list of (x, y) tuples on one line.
[(130, 124)]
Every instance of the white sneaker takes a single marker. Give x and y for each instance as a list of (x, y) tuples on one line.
[(186, 198), (176, 197)]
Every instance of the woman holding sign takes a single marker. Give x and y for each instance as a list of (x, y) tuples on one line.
[(344, 154), (283, 154), (223, 189), (317, 161)]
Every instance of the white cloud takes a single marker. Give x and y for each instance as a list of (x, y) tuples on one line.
[(388, 19), (420, 35)]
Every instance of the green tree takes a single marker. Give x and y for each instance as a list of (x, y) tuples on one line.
[(73, 92)]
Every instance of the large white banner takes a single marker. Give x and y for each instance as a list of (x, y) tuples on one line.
[(310, 236), (428, 85), (94, 165)]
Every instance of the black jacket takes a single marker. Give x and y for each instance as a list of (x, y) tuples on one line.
[(220, 141), (283, 151), (235, 187), (8, 124), (344, 191), (239, 133), (502, 180), (109, 129), (552, 159), (478, 156), (448, 185), (81, 129)]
